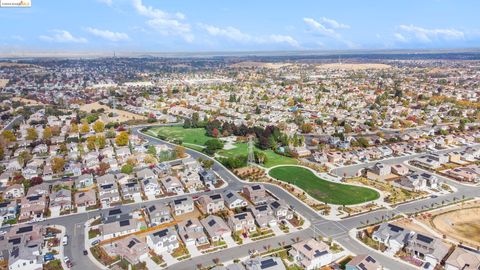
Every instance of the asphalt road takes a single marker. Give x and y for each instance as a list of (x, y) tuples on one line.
[(320, 226)]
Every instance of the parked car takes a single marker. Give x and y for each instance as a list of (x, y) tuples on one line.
[(65, 240), (68, 262), (85, 252), (96, 242), (48, 257)]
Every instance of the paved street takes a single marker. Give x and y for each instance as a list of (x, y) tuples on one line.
[(337, 230)]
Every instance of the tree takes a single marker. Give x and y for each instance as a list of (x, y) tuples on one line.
[(180, 151), (24, 157), (9, 135), (58, 164), (101, 141), (98, 126), (36, 180), (74, 128), (2, 152), (85, 128), (306, 128), (32, 134), (122, 138), (91, 141), (47, 133), (127, 168), (149, 159), (110, 133), (102, 168), (152, 150)]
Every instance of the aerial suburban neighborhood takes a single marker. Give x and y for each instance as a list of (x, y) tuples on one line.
[(269, 154)]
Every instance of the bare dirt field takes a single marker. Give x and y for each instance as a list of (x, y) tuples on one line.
[(410, 225), (27, 101), (347, 66), (11, 64), (260, 64), (460, 222), (120, 116), (3, 82)]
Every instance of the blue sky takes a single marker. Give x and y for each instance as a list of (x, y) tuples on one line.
[(239, 25)]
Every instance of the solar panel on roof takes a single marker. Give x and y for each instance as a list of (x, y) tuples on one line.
[(25, 229), (152, 208), (229, 195), (307, 247), (319, 253), (395, 228), (370, 259), (362, 266), (14, 241), (124, 223), (255, 187), (115, 212), (211, 223), (424, 238), (131, 244), (267, 263), (215, 196), (161, 233)]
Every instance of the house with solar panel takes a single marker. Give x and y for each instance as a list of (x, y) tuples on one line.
[(256, 194), (191, 232), (392, 236), (182, 206), (265, 263), (242, 222), (281, 210), (117, 223), (108, 194), (24, 247), (32, 207), (211, 204), (8, 210), (216, 228), (363, 262), (165, 240), (129, 248), (263, 216), (429, 249), (233, 199), (311, 254), (172, 184), (158, 213)]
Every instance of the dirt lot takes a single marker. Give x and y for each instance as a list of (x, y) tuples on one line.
[(27, 101), (260, 64), (410, 225), (353, 66), (121, 116), (461, 223)]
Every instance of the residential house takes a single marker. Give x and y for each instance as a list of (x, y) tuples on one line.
[(171, 184), (131, 249), (182, 206), (208, 177), (392, 236), (165, 240), (281, 210), (108, 194), (42, 189), (463, 259), (117, 223), (158, 213), (8, 210), (84, 181), (211, 204), (146, 174), (150, 187), (311, 254), (14, 191), (32, 207), (242, 222), (233, 199), (191, 232), (400, 169), (428, 249), (191, 180), (131, 191), (216, 228), (414, 182), (379, 171), (265, 263), (363, 262), (263, 216), (256, 194), (60, 201), (85, 198)]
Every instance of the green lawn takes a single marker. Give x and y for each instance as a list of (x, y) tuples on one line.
[(274, 159), (194, 138), (323, 190)]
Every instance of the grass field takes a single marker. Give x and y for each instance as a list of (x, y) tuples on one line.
[(274, 159), (323, 190), (194, 138)]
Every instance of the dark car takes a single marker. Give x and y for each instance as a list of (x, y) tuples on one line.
[(85, 252)]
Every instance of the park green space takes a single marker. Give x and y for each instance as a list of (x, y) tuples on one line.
[(273, 159), (195, 139), (323, 190)]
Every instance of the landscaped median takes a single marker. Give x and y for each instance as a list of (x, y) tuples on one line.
[(323, 190)]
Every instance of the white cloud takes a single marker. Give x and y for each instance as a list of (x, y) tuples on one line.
[(400, 37), (427, 35), (320, 28), (62, 36), (165, 23), (334, 24), (235, 34), (106, 34)]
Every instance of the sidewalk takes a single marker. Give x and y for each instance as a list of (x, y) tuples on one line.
[(88, 245)]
